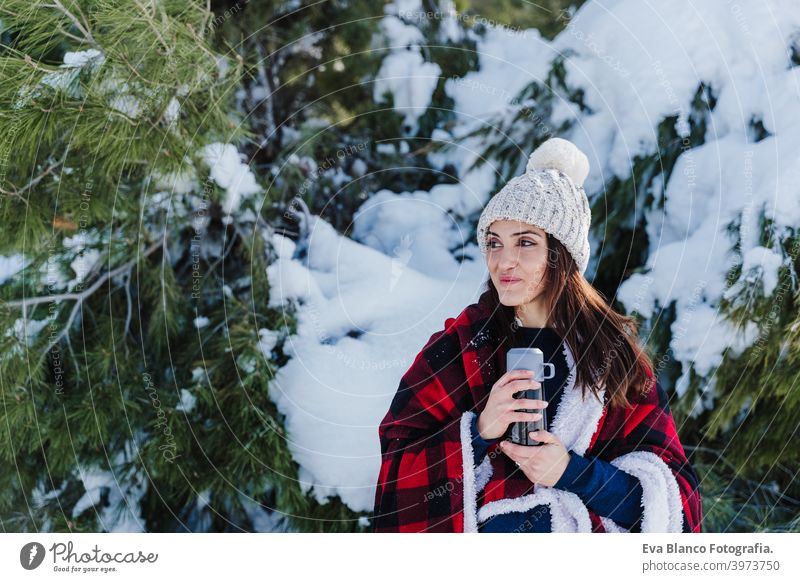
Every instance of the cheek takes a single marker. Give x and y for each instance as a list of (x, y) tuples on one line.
[(537, 269), (534, 285)]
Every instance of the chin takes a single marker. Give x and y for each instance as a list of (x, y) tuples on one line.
[(510, 299)]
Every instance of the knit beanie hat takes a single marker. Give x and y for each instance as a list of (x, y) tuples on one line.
[(549, 195)]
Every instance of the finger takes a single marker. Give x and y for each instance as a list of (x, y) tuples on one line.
[(518, 385), (515, 385), (513, 450), (510, 377), (529, 403), (523, 416), (543, 436)]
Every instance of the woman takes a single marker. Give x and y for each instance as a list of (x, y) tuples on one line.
[(611, 459)]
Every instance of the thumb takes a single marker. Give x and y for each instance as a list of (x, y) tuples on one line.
[(544, 436)]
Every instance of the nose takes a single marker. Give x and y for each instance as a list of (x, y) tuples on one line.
[(508, 259)]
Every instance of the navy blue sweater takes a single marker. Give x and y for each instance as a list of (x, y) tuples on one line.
[(602, 487)]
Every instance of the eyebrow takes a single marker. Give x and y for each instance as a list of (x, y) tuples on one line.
[(517, 233)]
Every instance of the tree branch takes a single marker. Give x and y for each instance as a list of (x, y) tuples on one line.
[(84, 29), (80, 297)]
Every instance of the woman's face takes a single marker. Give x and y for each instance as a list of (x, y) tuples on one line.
[(517, 261)]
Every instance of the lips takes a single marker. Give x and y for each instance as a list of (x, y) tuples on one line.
[(509, 280)]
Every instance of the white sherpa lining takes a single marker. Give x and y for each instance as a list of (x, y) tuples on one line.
[(661, 496), (568, 514), (475, 479)]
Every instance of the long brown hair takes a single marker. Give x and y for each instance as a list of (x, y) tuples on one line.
[(605, 342)]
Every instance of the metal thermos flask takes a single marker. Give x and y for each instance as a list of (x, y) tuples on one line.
[(529, 359)]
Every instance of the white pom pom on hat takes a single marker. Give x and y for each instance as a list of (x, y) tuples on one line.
[(560, 154)]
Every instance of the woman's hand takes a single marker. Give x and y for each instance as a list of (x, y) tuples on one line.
[(500, 409), (542, 464)]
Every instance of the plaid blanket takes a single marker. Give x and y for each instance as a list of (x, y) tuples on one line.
[(428, 481)]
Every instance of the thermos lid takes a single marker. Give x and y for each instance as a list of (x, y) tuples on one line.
[(524, 359)]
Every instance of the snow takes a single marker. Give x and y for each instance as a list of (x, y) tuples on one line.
[(410, 80), (11, 265), (336, 388), (665, 50), (187, 402), (413, 228), (295, 282), (198, 374), (203, 498), (700, 336), (450, 31), (359, 167), (766, 262), (71, 67), (123, 101), (182, 182), (81, 58), (404, 73), (307, 45), (201, 322), (283, 246), (402, 35), (93, 482), (507, 63), (246, 363), (82, 265), (171, 112), (267, 342), (403, 7), (124, 490), (41, 496), (230, 173), (26, 330), (263, 519)]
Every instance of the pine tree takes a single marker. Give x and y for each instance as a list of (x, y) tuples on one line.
[(139, 348), (138, 351)]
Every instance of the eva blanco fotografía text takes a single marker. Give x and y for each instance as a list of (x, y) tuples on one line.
[(736, 550)]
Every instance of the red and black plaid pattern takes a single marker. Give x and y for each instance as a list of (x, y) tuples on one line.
[(420, 483), (649, 426)]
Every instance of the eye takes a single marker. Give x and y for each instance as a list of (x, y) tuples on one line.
[(490, 244)]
